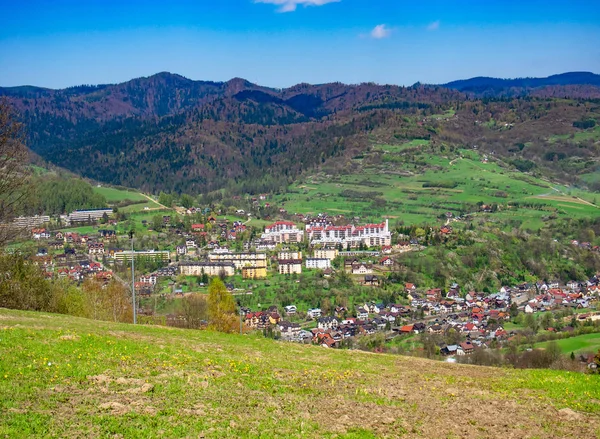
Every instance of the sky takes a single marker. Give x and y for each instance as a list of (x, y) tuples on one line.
[(279, 43)]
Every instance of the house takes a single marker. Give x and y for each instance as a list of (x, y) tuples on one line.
[(435, 329), (409, 288), (467, 347), (95, 248), (209, 268), (274, 318), (289, 331), (149, 278), (449, 350), (40, 234), (362, 313), (406, 329), (290, 309), (108, 234), (371, 280), (181, 250), (314, 313), (327, 323), (386, 261), (197, 227), (362, 268)]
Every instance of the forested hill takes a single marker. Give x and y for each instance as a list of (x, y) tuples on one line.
[(572, 84), (167, 132)]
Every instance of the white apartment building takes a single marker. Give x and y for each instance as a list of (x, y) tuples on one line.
[(290, 266), (371, 235), (283, 232), (126, 255), (286, 254), (326, 253), (209, 268), (240, 260), (319, 263)]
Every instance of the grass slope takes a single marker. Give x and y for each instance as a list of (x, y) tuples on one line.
[(588, 343), (69, 377), (420, 185)]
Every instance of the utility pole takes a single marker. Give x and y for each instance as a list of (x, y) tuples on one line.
[(133, 279)]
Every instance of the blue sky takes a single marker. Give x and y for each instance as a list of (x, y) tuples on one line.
[(59, 43)]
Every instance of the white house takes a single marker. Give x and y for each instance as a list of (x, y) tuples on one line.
[(291, 309), (314, 313), (328, 322)]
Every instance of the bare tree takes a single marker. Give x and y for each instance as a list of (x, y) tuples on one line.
[(13, 156)]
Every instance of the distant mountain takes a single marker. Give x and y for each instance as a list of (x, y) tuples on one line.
[(484, 86), (167, 132)]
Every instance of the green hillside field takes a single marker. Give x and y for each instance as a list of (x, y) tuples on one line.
[(420, 183), (586, 343), (70, 377)]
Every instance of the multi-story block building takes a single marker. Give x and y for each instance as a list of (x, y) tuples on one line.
[(283, 232), (371, 235)]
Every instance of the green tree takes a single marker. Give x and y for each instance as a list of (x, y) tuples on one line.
[(157, 222), (13, 156), (221, 307), (187, 201)]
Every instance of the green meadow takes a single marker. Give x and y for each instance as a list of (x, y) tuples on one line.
[(414, 184), (587, 343), (69, 377)]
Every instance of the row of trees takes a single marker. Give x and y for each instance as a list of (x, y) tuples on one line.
[(23, 286)]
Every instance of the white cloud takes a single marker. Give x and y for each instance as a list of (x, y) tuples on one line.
[(434, 25), (380, 31), (291, 5)]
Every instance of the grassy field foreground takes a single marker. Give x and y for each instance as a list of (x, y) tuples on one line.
[(69, 377)]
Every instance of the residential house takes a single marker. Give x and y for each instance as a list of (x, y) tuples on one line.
[(371, 280), (289, 330), (466, 347), (362, 268), (362, 313), (290, 309), (314, 313), (386, 261), (327, 322)]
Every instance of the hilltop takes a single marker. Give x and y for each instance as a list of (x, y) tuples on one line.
[(81, 378), (574, 84)]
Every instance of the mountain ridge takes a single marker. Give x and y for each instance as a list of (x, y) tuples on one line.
[(168, 132)]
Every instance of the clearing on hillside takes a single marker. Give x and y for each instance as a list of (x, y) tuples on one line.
[(68, 377)]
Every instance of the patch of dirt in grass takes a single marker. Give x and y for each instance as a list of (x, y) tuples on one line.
[(69, 337), (341, 415)]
